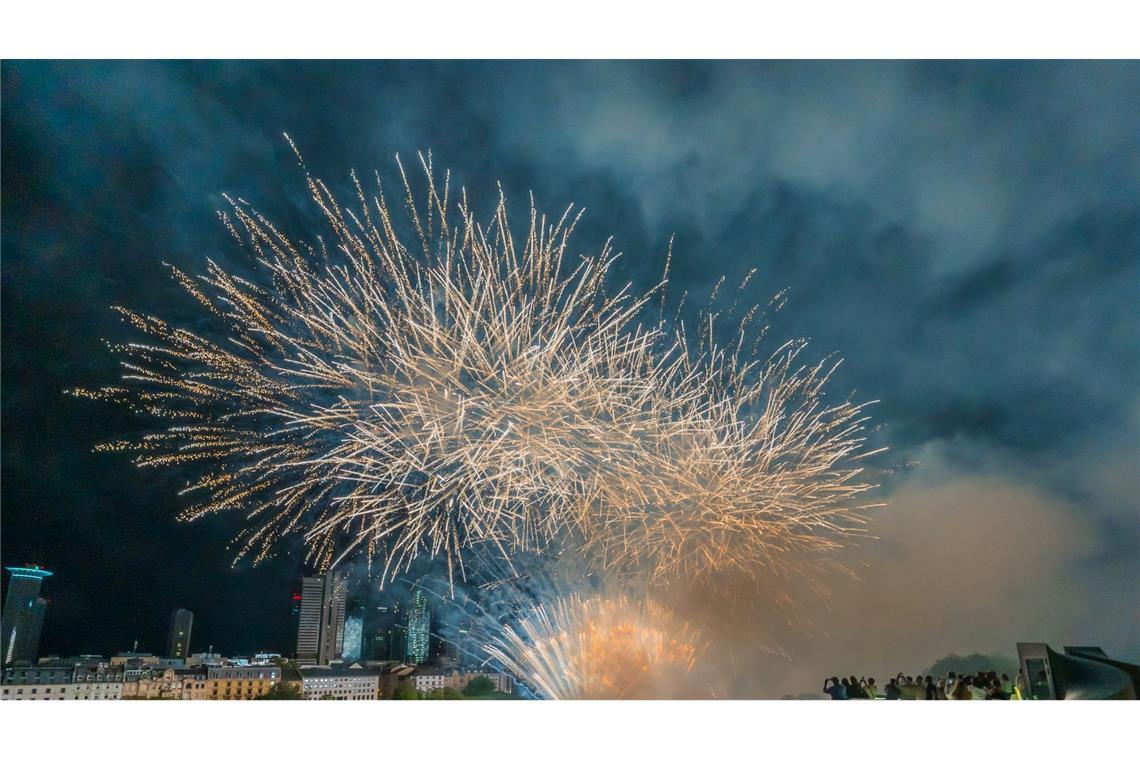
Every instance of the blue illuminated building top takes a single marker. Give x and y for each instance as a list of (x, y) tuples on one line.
[(32, 571)]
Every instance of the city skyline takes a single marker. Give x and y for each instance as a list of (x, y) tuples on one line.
[(321, 630)]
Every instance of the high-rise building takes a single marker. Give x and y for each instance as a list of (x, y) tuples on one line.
[(320, 625), (353, 635), (418, 628), (178, 640), (24, 611), (455, 642), (384, 626)]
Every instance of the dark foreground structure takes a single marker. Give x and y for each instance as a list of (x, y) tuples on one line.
[(1078, 673)]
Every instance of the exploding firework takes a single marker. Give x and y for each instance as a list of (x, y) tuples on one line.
[(395, 398), (466, 390), (751, 474), (597, 648)]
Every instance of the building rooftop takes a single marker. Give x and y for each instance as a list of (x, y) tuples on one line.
[(337, 670), (30, 571)]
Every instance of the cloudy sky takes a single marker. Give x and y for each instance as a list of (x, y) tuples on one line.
[(965, 235)]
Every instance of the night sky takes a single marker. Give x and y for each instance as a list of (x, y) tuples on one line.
[(965, 235)]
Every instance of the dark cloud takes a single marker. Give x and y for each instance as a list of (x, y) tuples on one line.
[(965, 234)]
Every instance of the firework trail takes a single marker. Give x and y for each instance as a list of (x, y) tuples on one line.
[(467, 390)]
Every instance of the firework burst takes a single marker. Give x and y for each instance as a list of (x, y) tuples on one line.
[(468, 390), (395, 399), (749, 474), (597, 648)]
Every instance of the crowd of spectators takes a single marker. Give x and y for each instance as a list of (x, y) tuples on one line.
[(982, 685)]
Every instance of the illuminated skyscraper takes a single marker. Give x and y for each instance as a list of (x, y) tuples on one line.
[(178, 640), (320, 626), (418, 628), (23, 614), (353, 635)]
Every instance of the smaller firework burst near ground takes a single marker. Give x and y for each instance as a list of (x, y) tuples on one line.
[(598, 648)]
